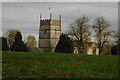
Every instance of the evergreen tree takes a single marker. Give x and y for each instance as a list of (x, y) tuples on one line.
[(115, 50), (64, 45), (18, 44), (4, 44)]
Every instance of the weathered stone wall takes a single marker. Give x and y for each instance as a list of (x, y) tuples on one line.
[(43, 27), (54, 42), (44, 42), (44, 34), (49, 34), (55, 22), (55, 34)]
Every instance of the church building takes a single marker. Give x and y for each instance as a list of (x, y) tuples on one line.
[(49, 34)]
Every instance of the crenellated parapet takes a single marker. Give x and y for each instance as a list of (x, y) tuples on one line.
[(45, 22), (45, 19)]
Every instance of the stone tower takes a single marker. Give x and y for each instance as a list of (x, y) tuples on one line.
[(49, 34)]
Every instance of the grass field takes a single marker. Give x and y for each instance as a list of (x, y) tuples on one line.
[(58, 65)]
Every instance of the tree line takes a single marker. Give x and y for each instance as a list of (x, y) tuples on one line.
[(79, 33), (12, 41)]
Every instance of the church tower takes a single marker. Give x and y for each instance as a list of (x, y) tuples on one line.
[(49, 34)]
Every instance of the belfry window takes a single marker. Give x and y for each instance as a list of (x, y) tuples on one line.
[(45, 31), (55, 31)]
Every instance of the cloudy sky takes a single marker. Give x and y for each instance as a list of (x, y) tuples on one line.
[(59, 0), (25, 15)]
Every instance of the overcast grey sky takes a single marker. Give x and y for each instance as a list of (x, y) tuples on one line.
[(59, 0), (25, 15)]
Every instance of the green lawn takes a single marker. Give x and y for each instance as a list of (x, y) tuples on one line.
[(58, 65)]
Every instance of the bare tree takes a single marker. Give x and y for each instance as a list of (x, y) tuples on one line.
[(116, 37), (101, 32), (80, 32)]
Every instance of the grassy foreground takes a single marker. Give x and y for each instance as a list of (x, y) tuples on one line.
[(58, 65)]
